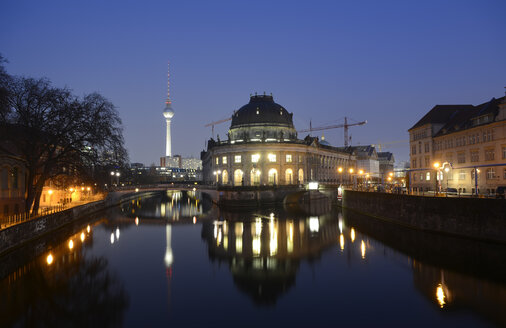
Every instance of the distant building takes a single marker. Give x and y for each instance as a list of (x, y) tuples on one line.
[(386, 164), (12, 185), (263, 149), (469, 144)]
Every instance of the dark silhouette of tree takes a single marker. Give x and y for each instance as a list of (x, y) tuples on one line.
[(58, 134)]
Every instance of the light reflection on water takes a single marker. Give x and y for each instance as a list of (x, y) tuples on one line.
[(175, 259)]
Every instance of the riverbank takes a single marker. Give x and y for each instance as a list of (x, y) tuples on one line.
[(19, 234), (482, 219)]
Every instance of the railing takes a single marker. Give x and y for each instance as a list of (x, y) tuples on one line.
[(14, 219)]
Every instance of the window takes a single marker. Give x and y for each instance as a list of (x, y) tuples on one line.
[(504, 174), (462, 175), (224, 160), (272, 157), (414, 177), (475, 156), (301, 159), (288, 158), (255, 158), (461, 157), (413, 150), (503, 152), (237, 159), (217, 160), (414, 163), (427, 176), (489, 154), (420, 147), (490, 173), (427, 147), (427, 161)]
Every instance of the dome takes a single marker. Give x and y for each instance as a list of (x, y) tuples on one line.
[(261, 109)]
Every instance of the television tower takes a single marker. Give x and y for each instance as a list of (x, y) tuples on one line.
[(168, 113)]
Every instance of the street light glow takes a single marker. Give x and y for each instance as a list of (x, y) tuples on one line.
[(340, 169)]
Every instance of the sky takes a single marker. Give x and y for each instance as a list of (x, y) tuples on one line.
[(387, 62)]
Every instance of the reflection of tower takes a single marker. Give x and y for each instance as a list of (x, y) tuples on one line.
[(169, 258), (168, 113)]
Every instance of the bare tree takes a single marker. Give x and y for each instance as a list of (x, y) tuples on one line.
[(58, 133)]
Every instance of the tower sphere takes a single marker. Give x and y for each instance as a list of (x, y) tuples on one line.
[(168, 112)]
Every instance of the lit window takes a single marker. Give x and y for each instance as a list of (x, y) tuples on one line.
[(289, 158), (224, 159), (255, 158), (272, 157), (217, 160), (237, 159), (427, 176)]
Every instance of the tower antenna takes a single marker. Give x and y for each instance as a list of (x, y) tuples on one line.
[(168, 102)]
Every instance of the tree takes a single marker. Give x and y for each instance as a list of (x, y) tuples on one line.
[(59, 134)]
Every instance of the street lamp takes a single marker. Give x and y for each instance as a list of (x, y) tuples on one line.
[(117, 178), (436, 168), (351, 175), (340, 170), (50, 192)]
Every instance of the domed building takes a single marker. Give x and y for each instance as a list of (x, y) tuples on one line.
[(263, 149)]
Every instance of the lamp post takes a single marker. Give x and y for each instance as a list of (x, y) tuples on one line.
[(340, 171), (360, 173), (112, 176), (351, 174), (436, 168), (117, 178)]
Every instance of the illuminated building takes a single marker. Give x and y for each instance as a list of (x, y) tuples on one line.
[(12, 185), (263, 149), (463, 139)]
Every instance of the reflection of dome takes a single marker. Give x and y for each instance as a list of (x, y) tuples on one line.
[(262, 119)]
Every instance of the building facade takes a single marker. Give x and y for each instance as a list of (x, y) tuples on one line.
[(263, 149), (12, 185), (460, 146)]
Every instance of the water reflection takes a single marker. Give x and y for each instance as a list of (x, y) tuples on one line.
[(264, 251), (454, 274), (62, 287), (272, 256)]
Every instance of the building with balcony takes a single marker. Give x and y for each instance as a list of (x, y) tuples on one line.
[(468, 145), (263, 149)]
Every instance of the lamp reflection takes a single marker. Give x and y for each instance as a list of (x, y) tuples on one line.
[(440, 295), (82, 236), (341, 241), (362, 249), (71, 244), (352, 235), (49, 259)]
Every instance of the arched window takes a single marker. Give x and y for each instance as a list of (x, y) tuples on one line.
[(255, 177), (238, 178), (224, 177), (289, 176), (273, 176), (301, 176)]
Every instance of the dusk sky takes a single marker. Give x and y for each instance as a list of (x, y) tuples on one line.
[(387, 62)]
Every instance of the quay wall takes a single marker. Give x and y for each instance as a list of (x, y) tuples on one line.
[(19, 234), (478, 218)]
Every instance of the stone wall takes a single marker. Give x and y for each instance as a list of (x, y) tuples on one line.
[(22, 233), (478, 218)]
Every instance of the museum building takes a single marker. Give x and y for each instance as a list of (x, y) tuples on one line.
[(262, 149)]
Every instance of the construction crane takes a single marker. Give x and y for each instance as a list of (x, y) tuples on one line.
[(212, 124), (327, 127), (380, 144)]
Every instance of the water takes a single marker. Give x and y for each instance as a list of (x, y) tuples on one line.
[(177, 261)]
